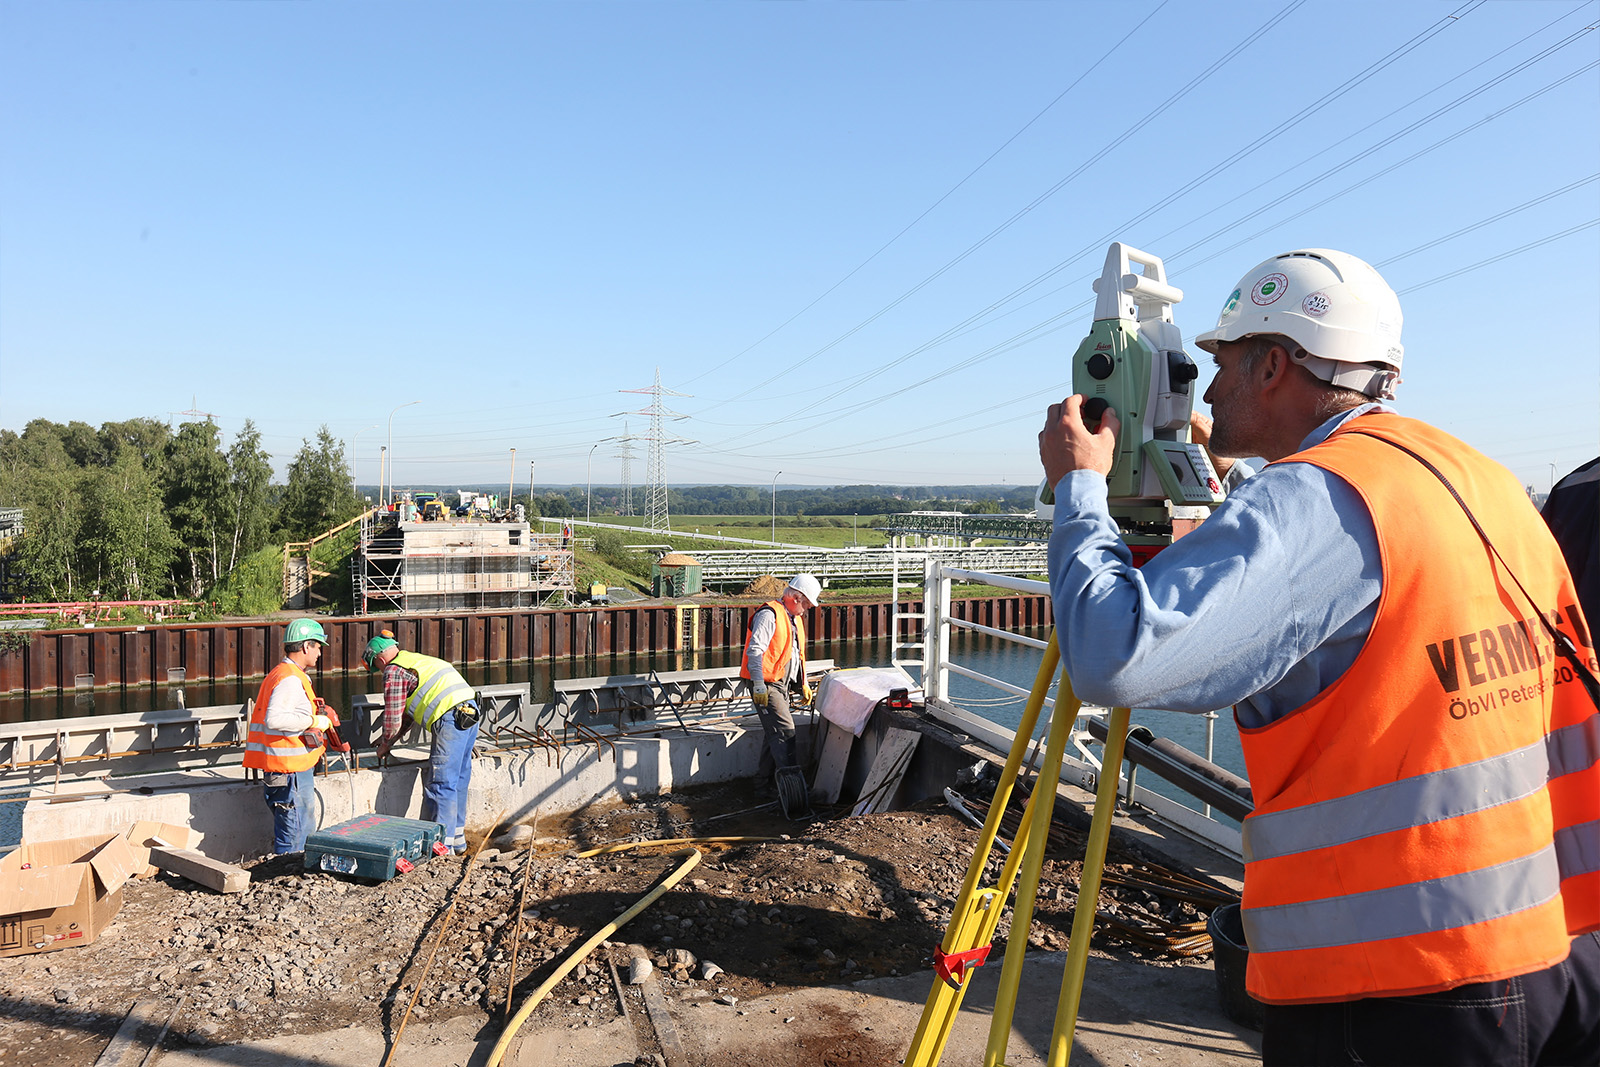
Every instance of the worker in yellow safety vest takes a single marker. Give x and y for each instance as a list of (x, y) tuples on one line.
[(438, 699), (1412, 675), (284, 740)]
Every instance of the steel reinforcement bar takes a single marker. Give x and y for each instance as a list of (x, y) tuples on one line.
[(117, 656)]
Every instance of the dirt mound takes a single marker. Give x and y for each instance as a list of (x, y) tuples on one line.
[(766, 586), (677, 559)]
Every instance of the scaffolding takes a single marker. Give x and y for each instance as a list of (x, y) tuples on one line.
[(458, 566)]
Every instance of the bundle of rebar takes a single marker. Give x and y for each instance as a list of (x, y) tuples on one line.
[(1139, 898)]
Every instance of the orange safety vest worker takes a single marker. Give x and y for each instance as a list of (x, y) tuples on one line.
[(272, 750), (1432, 818), (790, 635)]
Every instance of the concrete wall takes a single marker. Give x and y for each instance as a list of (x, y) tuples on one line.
[(231, 813)]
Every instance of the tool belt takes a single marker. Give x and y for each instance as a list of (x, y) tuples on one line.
[(466, 715)]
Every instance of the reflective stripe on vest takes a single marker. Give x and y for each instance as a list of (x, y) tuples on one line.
[(273, 750), (1432, 818), (788, 636), (440, 686)]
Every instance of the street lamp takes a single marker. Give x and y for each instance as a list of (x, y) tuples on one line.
[(588, 477), (354, 438), (775, 508), (391, 446)]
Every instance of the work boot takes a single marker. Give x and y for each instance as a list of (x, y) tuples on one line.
[(786, 753)]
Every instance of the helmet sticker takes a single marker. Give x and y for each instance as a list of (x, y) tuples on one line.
[(1316, 304), (1269, 289), (1232, 304)]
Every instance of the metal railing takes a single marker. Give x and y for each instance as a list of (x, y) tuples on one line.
[(1082, 765)]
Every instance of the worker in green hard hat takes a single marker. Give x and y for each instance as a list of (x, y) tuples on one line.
[(285, 739), (442, 702)]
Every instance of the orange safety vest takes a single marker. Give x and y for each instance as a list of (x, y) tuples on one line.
[(1430, 819), (270, 750), (789, 635)]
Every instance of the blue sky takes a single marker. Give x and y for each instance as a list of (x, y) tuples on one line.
[(859, 237)]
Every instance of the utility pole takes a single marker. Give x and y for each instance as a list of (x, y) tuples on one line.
[(775, 508)]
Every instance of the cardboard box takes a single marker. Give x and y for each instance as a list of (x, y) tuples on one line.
[(141, 835), (57, 894)]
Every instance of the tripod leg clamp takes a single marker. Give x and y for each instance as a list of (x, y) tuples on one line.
[(953, 967)]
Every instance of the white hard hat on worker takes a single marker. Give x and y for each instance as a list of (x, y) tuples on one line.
[(1336, 307), (807, 586)]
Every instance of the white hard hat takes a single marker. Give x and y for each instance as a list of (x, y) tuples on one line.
[(807, 586), (1333, 305)]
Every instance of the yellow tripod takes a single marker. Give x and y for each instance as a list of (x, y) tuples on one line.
[(977, 910)]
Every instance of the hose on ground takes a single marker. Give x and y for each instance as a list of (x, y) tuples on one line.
[(623, 846), (691, 857)]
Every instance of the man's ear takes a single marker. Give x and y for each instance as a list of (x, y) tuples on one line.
[(1275, 367)]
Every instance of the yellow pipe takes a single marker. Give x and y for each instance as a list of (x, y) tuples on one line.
[(1041, 809), (691, 858), (1094, 862), (975, 916)]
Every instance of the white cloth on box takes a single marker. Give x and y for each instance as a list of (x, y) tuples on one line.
[(846, 697)]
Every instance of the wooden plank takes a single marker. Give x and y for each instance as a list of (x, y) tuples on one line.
[(213, 874), (133, 1037), (829, 780), (666, 1034), (883, 780)]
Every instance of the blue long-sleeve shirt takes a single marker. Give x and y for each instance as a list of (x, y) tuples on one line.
[(1263, 606)]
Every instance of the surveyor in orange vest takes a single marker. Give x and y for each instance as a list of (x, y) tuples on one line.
[(285, 739), (1412, 678), (774, 661)]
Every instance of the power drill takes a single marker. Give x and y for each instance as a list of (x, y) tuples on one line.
[(1133, 362)]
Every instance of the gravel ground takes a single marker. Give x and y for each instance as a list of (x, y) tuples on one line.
[(836, 900)]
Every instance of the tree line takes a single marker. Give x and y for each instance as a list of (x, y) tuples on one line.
[(137, 510)]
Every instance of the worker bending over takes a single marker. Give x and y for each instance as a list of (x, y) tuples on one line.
[(1422, 869), (774, 662), (285, 736), (442, 702)]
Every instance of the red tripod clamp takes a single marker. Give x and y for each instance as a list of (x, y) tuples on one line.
[(952, 967)]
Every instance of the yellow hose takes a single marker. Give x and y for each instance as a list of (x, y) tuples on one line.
[(623, 846), (691, 858)]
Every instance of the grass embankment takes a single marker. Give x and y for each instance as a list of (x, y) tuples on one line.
[(824, 531), (255, 587)]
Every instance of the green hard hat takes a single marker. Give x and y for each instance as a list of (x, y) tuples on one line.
[(305, 630), (377, 647)]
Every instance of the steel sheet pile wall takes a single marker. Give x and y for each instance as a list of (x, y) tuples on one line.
[(132, 656)]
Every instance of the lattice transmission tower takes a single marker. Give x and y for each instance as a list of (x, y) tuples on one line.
[(659, 516), (625, 453)]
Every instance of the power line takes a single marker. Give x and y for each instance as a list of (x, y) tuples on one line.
[(947, 194), (1022, 212)]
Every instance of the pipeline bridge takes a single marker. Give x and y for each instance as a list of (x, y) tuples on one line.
[(956, 527), (730, 566)]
